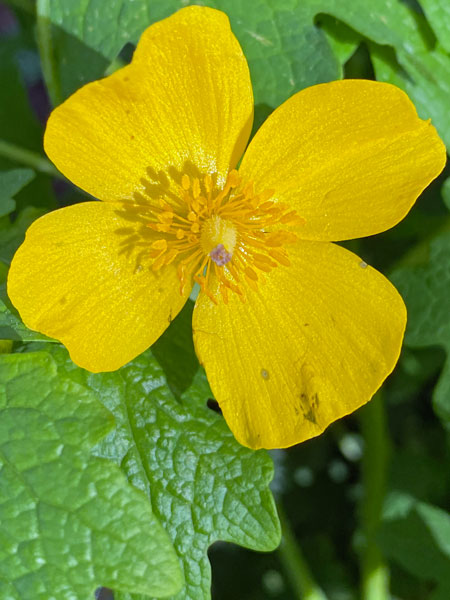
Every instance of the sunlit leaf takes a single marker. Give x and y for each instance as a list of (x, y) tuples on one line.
[(202, 484), (69, 522)]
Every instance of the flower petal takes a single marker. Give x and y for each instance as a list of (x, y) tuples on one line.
[(184, 103), (350, 157), (82, 277), (311, 345)]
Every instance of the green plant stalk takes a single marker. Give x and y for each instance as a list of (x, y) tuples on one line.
[(45, 45), (294, 563), (29, 158), (374, 571)]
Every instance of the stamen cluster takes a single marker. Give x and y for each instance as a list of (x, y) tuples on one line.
[(232, 232)]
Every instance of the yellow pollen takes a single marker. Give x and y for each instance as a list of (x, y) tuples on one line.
[(222, 238)]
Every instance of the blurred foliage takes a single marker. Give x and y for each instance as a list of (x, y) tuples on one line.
[(207, 487)]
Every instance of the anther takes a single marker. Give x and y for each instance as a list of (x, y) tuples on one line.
[(196, 188), (160, 244), (251, 273), (233, 179), (280, 257), (185, 182)]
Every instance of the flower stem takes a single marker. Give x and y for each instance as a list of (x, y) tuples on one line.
[(29, 158), (374, 571), (45, 45), (294, 563)]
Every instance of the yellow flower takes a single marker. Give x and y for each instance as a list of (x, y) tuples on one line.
[(294, 331)]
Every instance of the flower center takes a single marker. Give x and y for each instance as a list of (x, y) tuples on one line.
[(218, 239), (222, 237)]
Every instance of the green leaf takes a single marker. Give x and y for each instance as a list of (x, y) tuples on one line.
[(438, 14), (203, 485), (343, 40), (105, 31), (69, 522), (67, 62), (417, 536), (12, 182), (426, 291), (286, 52)]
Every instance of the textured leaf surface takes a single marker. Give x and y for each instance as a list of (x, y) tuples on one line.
[(202, 484), (426, 291), (12, 182), (68, 521)]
